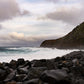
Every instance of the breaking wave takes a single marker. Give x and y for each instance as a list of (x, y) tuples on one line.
[(30, 53)]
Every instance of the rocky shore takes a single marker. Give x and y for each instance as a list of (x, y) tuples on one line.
[(68, 69)]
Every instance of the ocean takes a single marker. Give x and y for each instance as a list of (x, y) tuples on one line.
[(30, 53)]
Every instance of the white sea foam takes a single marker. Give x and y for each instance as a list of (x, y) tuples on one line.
[(29, 53)]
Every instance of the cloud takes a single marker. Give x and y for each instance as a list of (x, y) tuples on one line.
[(8, 9), (25, 12), (1, 27), (19, 39), (63, 0), (69, 14)]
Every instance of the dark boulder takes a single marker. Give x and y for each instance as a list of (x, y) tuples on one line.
[(11, 83), (80, 81), (28, 64), (20, 78), (3, 74), (23, 70), (55, 77), (35, 72), (11, 76), (33, 81), (13, 64), (44, 63), (20, 61)]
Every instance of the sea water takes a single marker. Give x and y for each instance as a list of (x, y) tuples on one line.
[(30, 53)]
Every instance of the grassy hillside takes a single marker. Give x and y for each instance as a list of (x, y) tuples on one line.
[(75, 39)]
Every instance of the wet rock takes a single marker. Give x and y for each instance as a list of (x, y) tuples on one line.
[(44, 63), (57, 59), (50, 65), (22, 70), (39, 63), (13, 64), (55, 77), (33, 81), (1, 82), (19, 78), (10, 77), (5, 64), (59, 66), (28, 64), (11, 83), (35, 72), (63, 58), (19, 83), (20, 61), (3, 74), (75, 61), (80, 81)]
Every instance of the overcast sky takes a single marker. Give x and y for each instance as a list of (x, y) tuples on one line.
[(29, 22)]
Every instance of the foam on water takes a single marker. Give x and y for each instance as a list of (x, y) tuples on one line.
[(29, 53)]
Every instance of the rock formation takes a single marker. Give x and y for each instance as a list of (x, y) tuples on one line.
[(74, 39)]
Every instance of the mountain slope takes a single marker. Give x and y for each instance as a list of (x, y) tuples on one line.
[(74, 39)]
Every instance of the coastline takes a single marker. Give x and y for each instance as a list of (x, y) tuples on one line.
[(67, 69), (30, 53)]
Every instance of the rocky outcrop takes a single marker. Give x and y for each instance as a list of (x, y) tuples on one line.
[(75, 39), (68, 69)]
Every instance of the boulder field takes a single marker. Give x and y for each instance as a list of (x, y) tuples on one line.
[(68, 69)]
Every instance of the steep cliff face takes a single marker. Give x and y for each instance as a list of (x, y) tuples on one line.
[(74, 39)]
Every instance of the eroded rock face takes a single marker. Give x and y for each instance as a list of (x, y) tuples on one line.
[(68, 69)]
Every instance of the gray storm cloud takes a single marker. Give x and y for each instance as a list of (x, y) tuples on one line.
[(1, 27), (73, 15), (19, 39), (8, 9)]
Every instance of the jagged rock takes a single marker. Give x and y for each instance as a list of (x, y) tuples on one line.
[(44, 63), (13, 64), (11, 83), (55, 77), (20, 78), (3, 74), (19, 83), (33, 81), (28, 64), (20, 62), (80, 81), (23, 70), (35, 72), (10, 77)]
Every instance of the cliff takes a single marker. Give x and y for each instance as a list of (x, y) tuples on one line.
[(74, 39)]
